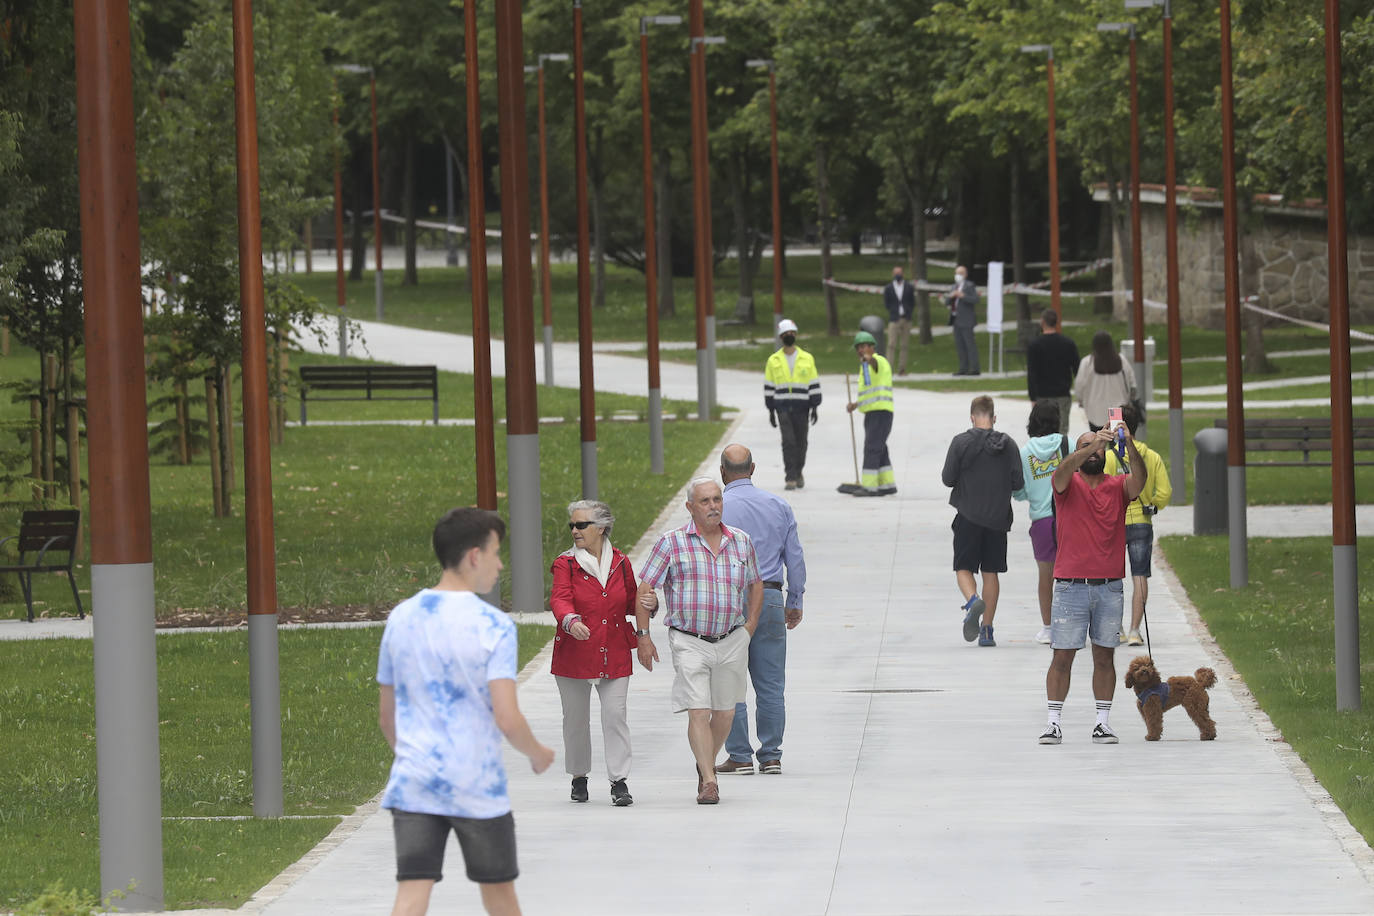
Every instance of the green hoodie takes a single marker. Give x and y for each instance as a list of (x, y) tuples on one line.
[(1039, 458)]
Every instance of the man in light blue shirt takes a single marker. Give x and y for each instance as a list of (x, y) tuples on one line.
[(768, 520)]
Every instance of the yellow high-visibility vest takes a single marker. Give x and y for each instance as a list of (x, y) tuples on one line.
[(798, 388), (875, 392)]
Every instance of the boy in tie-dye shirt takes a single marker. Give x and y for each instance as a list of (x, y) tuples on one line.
[(447, 670)]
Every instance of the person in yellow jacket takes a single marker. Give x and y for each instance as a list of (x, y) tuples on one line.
[(791, 391), (875, 403), (1140, 529)]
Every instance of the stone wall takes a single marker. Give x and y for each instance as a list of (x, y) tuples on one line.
[(1283, 261)]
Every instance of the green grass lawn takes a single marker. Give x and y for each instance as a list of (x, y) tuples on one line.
[(1278, 632), (333, 759)]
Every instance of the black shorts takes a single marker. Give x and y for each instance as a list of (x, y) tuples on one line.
[(977, 548), (488, 846)]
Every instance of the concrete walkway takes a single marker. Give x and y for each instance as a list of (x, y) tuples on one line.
[(913, 782)]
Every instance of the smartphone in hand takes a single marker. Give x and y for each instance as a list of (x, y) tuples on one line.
[(1114, 421)]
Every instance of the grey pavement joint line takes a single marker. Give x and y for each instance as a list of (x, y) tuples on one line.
[(868, 712)]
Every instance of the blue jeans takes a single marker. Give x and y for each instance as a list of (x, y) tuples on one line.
[(1081, 610), (768, 672)]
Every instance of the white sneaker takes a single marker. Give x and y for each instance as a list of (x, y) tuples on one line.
[(1052, 734), (1102, 734), (1043, 637)]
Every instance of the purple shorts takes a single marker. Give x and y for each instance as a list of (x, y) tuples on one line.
[(1042, 539)]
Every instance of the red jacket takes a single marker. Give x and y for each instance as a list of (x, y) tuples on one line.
[(607, 652)]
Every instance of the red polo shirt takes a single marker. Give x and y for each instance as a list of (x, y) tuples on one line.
[(1091, 523)]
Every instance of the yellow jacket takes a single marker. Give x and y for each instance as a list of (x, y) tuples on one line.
[(796, 389), (876, 393), (1157, 487)]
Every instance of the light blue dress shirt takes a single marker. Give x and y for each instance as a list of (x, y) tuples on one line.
[(768, 520)]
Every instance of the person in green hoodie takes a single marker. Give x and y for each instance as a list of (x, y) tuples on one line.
[(1140, 528), (1039, 458)]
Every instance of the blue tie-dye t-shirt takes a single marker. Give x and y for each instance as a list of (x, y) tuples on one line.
[(439, 650)]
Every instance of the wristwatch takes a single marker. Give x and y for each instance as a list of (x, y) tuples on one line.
[(641, 632)]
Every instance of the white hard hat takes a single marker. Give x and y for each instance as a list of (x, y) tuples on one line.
[(787, 324)]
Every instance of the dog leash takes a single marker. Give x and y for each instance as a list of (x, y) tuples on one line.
[(1145, 619)]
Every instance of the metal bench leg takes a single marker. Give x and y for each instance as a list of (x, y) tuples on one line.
[(81, 612), (436, 410), (26, 583)]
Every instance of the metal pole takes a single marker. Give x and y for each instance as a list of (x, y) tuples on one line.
[(260, 547), (545, 281), (701, 212), (1235, 405), (1054, 195), (128, 780), (650, 261), (340, 290), (777, 197), (522, 414), (1137, 251), (376, 193), (450, 243), (484, 422), (1344, 566), (586, 381), (1177, 467)]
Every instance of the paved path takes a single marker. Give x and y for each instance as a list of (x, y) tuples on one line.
[(913, 780)]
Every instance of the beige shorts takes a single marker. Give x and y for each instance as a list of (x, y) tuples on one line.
[(709, 675)]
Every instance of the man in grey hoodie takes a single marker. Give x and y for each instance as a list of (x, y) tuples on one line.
[(983, 466)]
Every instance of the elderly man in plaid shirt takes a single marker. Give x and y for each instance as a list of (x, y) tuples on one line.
[(710, 577)]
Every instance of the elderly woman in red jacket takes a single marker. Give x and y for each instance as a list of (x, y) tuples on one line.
[(593, 594)]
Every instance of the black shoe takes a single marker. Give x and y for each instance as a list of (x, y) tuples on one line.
[(973, 373), (849, 489), (866, 492), (579, 789), (620, 794), (801, 482)]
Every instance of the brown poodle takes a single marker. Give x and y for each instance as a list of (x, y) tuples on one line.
[(1153, 697)]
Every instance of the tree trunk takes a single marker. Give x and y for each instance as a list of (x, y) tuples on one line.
[(597, 186), (361, 190), (183, 424), (744, 299), (212, 431), (1025, 329), (1256, 360), (226, 435), (783, 254), (663, 215), (823, 211), (916, 192), (412, 276)]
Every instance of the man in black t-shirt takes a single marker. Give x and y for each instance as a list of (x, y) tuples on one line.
[(1051, 364)]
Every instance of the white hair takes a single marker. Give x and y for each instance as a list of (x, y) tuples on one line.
[(697, 482), (600, 512)]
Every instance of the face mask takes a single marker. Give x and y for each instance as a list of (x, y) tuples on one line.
[(959, 278), (1095, 465), (789, 339), (896, 278)]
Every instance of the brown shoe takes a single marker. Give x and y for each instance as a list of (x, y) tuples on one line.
[(709, 794), (771, 767), (735, 768)]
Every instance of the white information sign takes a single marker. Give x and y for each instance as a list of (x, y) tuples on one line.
[(994, 317)]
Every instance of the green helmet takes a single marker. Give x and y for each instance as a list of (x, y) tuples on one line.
[(863, 337)]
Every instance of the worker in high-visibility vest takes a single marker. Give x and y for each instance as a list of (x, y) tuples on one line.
[(791, 391), (875, 403)]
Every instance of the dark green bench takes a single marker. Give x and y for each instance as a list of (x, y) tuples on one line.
[(1300, 434), (45, 531), (370, 383)]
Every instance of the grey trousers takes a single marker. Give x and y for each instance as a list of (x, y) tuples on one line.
[(967, 348), (576, 694)]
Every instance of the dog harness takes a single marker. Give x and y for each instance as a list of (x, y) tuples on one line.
[(1160, 690)]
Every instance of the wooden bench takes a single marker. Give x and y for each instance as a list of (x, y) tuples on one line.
[(375, 382), (44, 531), (1300, 434)]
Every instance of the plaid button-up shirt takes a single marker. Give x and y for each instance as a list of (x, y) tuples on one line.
[(707, 593)]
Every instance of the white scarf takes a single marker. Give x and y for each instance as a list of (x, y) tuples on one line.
[(599, 570)]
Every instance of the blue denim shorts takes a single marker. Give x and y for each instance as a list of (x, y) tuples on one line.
[(1140, 540), (1081, 610)]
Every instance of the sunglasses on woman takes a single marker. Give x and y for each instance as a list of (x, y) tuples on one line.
[(580, 526)]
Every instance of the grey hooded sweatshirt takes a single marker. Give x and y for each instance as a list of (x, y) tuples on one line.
[(984, 467)]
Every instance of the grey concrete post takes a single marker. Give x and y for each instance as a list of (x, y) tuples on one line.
[(343, 335), (711, 363), (264, 696), (128, 782), (1346, 579), (380, 311), (1235, 495), (703, 385), (526, 523), (589, 485)]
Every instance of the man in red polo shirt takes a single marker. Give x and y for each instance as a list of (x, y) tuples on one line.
[(1090, 515)]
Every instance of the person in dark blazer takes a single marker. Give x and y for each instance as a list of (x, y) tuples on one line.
[(963, 304), (900, 298)]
